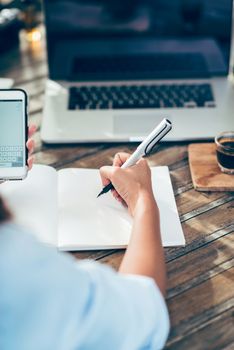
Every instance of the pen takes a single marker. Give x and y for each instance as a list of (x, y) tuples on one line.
[(144, 148)]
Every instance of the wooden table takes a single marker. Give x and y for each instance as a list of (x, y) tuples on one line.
[(200, 294)]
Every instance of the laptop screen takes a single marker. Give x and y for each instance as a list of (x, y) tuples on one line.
[(89, 40)]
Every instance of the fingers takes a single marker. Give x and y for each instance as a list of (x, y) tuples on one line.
[(30, 146), (31, 130), (30, 163), (109, 174), (118, 197), (115, 194), (106, 174), (120, 158)]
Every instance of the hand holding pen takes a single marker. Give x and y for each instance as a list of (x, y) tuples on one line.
[(131, 185), (143, 149)]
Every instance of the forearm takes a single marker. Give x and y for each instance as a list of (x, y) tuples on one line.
[(144, 255)]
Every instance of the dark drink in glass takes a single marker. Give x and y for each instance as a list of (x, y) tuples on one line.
[(225, 151)]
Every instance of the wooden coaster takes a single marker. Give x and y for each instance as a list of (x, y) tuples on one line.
[(205, 172)]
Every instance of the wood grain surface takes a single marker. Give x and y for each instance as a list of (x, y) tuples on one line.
[(205, 172), (200, 275)]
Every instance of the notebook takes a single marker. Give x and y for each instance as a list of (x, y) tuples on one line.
[(61, 208)]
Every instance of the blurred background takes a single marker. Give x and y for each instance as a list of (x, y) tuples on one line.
[(21, 21), (19, 16)]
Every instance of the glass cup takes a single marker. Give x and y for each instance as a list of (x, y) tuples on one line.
[(225, 151)]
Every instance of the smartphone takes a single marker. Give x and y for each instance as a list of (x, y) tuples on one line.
[(13, 134)]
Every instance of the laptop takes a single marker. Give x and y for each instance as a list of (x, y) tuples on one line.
[(117, 68)]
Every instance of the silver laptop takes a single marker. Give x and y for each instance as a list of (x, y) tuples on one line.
[(116, 68)]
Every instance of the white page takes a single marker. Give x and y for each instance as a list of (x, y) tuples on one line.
[(171, 230), (33, 202), (85, 221), (88, 222)]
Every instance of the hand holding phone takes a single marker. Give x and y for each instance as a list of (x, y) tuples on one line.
[(30, 145), (13, 134)]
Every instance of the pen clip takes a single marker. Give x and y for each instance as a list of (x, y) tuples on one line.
[(151, 144)]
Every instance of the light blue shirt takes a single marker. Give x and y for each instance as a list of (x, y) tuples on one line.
[(49, 301)]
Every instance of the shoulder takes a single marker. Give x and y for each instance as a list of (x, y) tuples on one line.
[(23, 259), (18, 246)]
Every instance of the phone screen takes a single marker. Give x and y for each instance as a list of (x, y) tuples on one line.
[(11, 134)]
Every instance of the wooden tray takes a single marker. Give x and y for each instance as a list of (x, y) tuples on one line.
[(205, 172)]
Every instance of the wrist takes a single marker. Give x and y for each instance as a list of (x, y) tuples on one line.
[(145, 203)]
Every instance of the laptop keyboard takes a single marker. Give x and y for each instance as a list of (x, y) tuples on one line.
[(141, 96), (11, 156)]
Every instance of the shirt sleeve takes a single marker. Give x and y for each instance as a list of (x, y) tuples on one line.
[(48, 300), (129, 309)]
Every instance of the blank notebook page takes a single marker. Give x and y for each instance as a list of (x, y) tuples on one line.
[(86, 221), (33, 202)]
